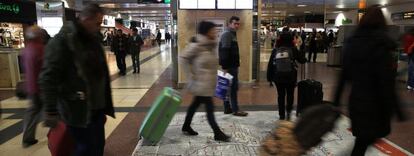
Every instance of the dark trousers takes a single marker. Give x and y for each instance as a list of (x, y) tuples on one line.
[(135, 62), (314, 52), (90, 140), (285, 91), (208, 102), (120, 61), (361, 145), (233, 91), (31, 118)]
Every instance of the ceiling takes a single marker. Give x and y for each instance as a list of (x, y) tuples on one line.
[(159, 13), (271, 9), (279, 9)]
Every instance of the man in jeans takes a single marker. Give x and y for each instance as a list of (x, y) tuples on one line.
[(36, 38), (135, 42), (229, 61), (120, 47), (75, 83)]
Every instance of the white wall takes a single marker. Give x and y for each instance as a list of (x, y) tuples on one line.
[(398, 8)]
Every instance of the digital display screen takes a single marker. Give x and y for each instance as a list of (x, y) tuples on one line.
[(188, 4), (226, 4), (244, 4), (206, 4)]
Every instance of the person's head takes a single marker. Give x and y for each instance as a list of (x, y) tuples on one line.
[(119, 32), (373, 19), (91, 18), (234, 22), (331, 31), (285, 30), (286, 40), (134, 31), (36, 34), (207, 29)]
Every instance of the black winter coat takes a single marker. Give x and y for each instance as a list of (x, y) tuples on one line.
[(297, 56), (368, 67)]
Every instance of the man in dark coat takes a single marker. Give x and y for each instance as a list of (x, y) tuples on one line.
[(135, 42), (229, 60), (158, 39), (120, 48), (369, 67), (75, 83)]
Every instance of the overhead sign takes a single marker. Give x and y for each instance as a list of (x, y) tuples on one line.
[(17, 11), (50, 16), (216, 4)]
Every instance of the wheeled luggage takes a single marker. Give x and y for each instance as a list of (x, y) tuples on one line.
[(159, 116), (309, 92)]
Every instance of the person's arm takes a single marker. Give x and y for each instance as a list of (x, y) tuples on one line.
[(186, 59), (51, 78), (140, 41), (225, 49)]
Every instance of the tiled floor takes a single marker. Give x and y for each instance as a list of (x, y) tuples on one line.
[(133, 95)]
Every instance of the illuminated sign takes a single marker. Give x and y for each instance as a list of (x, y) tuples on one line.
[(402, 15), (14, 8)]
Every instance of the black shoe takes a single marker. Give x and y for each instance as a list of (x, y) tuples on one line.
[(134, 71), (29, 143), (188, 131), (220, 136), (240, 113), (228, 111), (288, 117)]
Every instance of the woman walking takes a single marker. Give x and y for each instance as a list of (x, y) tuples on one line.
[(201, 56)]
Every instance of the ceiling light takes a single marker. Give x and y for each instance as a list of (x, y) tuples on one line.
[(307, 12), (340, 6), (278, 12), (302, 5), (291, 15)]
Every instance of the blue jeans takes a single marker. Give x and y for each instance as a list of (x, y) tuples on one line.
[(410, 81), (233, 91)]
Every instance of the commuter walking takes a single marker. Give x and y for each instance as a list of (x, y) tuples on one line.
[(369, 66), (313, 48), (135, 43), (120, 47), (158, 38), (281, 70), (201, 55), (35, 38), (409, 49), (229, 60), (75, 82), (331, 37), (167, 38)]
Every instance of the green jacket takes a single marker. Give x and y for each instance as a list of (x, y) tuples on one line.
[(74, 80)]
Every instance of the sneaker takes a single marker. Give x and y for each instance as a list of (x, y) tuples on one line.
[(188, 131), (410, 88), (220, 136), (29, 143), (240, 114)]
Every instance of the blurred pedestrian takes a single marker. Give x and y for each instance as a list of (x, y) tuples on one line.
[(282, 71), (120, 47), (409, 49), (167, 37), (35, 40), (135, 43), (158, 38), (200, 54), (313, 46), (368, 66), (229, 60), (75, 82)]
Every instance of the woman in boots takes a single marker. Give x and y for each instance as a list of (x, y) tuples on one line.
[(201, 56)]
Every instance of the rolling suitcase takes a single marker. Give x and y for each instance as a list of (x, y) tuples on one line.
[(159, 116), (309, 92)]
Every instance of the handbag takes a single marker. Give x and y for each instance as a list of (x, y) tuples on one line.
[(60, 142)]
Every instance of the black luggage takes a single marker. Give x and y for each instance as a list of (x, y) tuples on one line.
[(309, 92)]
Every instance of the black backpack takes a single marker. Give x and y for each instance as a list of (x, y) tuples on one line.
[(283, 64)]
